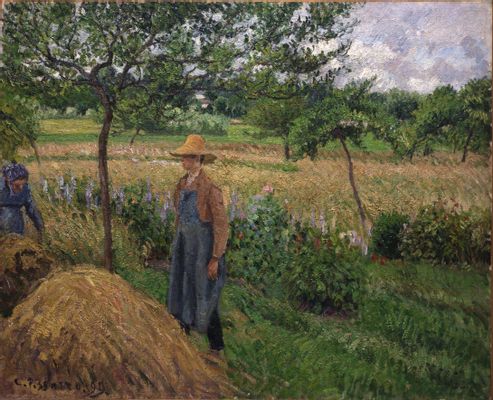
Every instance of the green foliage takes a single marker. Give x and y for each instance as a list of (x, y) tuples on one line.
[(147, 54), (19, 125), (395, 112), (233, 105), (275, 117), (259, 243), (386, 234), (79, 98), (438, 110), (324, 275), (444, 234), (475, 96), (292, 261), (148, 281), (142, 212), (194, 121), (342, 114), (167, 120)]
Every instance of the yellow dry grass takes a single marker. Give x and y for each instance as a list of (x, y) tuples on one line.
[(322, 185), (86, 330), (23, 263)]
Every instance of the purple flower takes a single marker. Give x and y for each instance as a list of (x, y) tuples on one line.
[(44, 184), (61, 183), (312, 218), (73, 183), (322, 223), (157, 197), (164, 211), (120, 197), (89, 189), (148, 197), (233, 207), (67, 194), (292, 219)]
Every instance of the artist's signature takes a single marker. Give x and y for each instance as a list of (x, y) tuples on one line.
[(93, 387)]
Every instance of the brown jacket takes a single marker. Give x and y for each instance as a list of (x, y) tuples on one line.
[(211, 207)]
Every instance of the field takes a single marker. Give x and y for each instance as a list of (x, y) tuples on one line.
[(384, 182), (421, 331)]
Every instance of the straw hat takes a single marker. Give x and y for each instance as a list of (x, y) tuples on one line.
[(194, 145)]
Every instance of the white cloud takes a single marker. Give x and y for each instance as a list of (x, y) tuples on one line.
[(423, 85), (421, 45)]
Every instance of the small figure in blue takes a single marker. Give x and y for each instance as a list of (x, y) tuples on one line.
[(198, 269), (15, 193)]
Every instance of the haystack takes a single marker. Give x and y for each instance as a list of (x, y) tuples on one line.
[(22, 264), (87, 331)]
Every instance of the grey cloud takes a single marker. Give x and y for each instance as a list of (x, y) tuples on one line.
[(421, 45)]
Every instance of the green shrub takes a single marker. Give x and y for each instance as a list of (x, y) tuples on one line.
[(443, 234), (193, 121), (325, 275), (386, 234), (145, 218), (259, 243)]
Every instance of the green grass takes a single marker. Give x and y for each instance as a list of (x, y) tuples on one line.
[(370, 144), (421, 332), (83, 130)]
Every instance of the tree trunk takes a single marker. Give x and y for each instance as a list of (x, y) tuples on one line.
[(134, 136), (33, 144), (287, 155), (468, 140), (412, 151), (491, 316), (103, 180), (353, 185)]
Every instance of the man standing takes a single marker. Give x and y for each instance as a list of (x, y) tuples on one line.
[(198, 268)]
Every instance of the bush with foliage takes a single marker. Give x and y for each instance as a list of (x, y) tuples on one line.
[(444, 234), (197, 122), (259, 242), (317, 271), (150, 222), (325, 274), (386, 234)]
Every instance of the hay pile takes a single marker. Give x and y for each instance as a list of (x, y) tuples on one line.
[(22, 264), (87, 331)]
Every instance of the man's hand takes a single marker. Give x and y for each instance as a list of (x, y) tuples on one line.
[(212, 269)]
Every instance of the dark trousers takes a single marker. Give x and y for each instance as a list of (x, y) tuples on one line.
[(214, 331)]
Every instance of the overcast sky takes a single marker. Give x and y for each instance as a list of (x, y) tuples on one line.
[(418, 46)]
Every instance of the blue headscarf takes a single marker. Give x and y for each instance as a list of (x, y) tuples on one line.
[(14, 171)]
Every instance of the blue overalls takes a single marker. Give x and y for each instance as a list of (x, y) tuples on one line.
[(192, 297)]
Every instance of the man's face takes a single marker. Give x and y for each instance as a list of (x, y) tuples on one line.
[(189, 162), (18, 185)]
